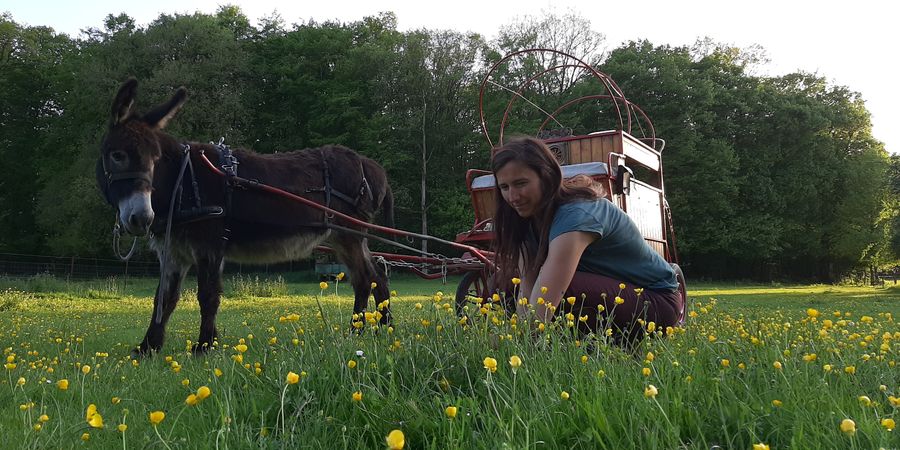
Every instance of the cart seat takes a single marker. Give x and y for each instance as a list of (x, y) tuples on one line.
[(568, 171)]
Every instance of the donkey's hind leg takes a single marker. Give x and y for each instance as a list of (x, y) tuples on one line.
[(167, 295), (353, 251)]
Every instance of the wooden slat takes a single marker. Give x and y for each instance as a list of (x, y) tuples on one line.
[(574, 152)]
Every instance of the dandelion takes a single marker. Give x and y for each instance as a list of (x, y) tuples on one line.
[(888, 424), (848, 427), (156, 417), (451, 411), (292, 378), (395, 440), (357, 396), (515, 362), (490, 364), (651, 391)]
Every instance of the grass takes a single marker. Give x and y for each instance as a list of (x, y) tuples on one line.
[(50, 330)]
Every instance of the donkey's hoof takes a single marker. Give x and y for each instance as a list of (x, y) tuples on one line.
[(142, 351), (199, 349)]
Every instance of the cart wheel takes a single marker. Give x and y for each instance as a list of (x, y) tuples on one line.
[(682, 293), (472, 285)]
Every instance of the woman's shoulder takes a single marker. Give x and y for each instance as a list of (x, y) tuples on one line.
[(584, 205)]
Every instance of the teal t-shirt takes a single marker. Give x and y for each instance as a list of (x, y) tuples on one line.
[(620, 251)]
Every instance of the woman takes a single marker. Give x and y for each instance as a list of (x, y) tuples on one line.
[(565, 239)]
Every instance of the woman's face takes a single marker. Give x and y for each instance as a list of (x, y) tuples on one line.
[(520, 187)]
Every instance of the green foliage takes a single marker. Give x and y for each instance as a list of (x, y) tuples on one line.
[(768, 177)]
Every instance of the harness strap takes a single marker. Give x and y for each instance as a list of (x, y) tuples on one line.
[(329, 190)]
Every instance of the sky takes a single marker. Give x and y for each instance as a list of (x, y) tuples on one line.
[(851, 44)]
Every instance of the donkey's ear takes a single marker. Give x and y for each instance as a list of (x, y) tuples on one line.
[(121, 107), (160, 116)]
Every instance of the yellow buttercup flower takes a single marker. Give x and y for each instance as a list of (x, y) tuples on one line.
[(241, 348), (203, 392), (191, 400), (812, 312), (340, 276), (515, 362), (62, 384), (156, 417), (44, 418), (451, 411), (848, 427), (543, 290), (777, 365), (516, 281), (865, 400), (651, 391), (888, 424), (122, 427), (760, 446), (292, 378), (490, 364), (357, 396), (619, 300), (395, 440), (323, 285), (351, 364), (85, 369), (85, 437), (726, 363), (564, 395)]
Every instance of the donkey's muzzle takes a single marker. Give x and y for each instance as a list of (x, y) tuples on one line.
[(138, 224)]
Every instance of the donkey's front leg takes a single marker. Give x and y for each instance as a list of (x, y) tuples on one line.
[(167, 295), (209, 292)]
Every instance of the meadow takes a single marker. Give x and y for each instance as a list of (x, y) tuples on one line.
[(804, 367)]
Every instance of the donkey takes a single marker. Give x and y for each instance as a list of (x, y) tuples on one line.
[(144, 172)]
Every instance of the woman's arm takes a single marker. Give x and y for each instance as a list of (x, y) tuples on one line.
[(556, 273)]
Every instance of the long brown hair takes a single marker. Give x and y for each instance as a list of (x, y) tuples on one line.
[(511, 229)]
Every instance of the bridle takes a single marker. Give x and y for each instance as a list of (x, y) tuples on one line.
[(112, 177)]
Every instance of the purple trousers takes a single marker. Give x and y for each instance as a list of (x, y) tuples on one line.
[(595, 298)]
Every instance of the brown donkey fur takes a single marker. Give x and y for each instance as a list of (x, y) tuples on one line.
[(137, 171)]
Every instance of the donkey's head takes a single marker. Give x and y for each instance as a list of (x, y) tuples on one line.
[(129, 153)]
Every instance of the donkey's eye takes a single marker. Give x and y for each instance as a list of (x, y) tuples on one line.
[(118, 156)]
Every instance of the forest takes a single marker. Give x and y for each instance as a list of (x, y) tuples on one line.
[(768, 177)]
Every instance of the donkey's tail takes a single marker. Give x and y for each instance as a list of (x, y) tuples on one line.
[(387, 207)]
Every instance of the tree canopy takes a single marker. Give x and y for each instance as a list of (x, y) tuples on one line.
[(768, 177)]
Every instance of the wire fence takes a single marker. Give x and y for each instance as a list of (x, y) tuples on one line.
[(84, 268)]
